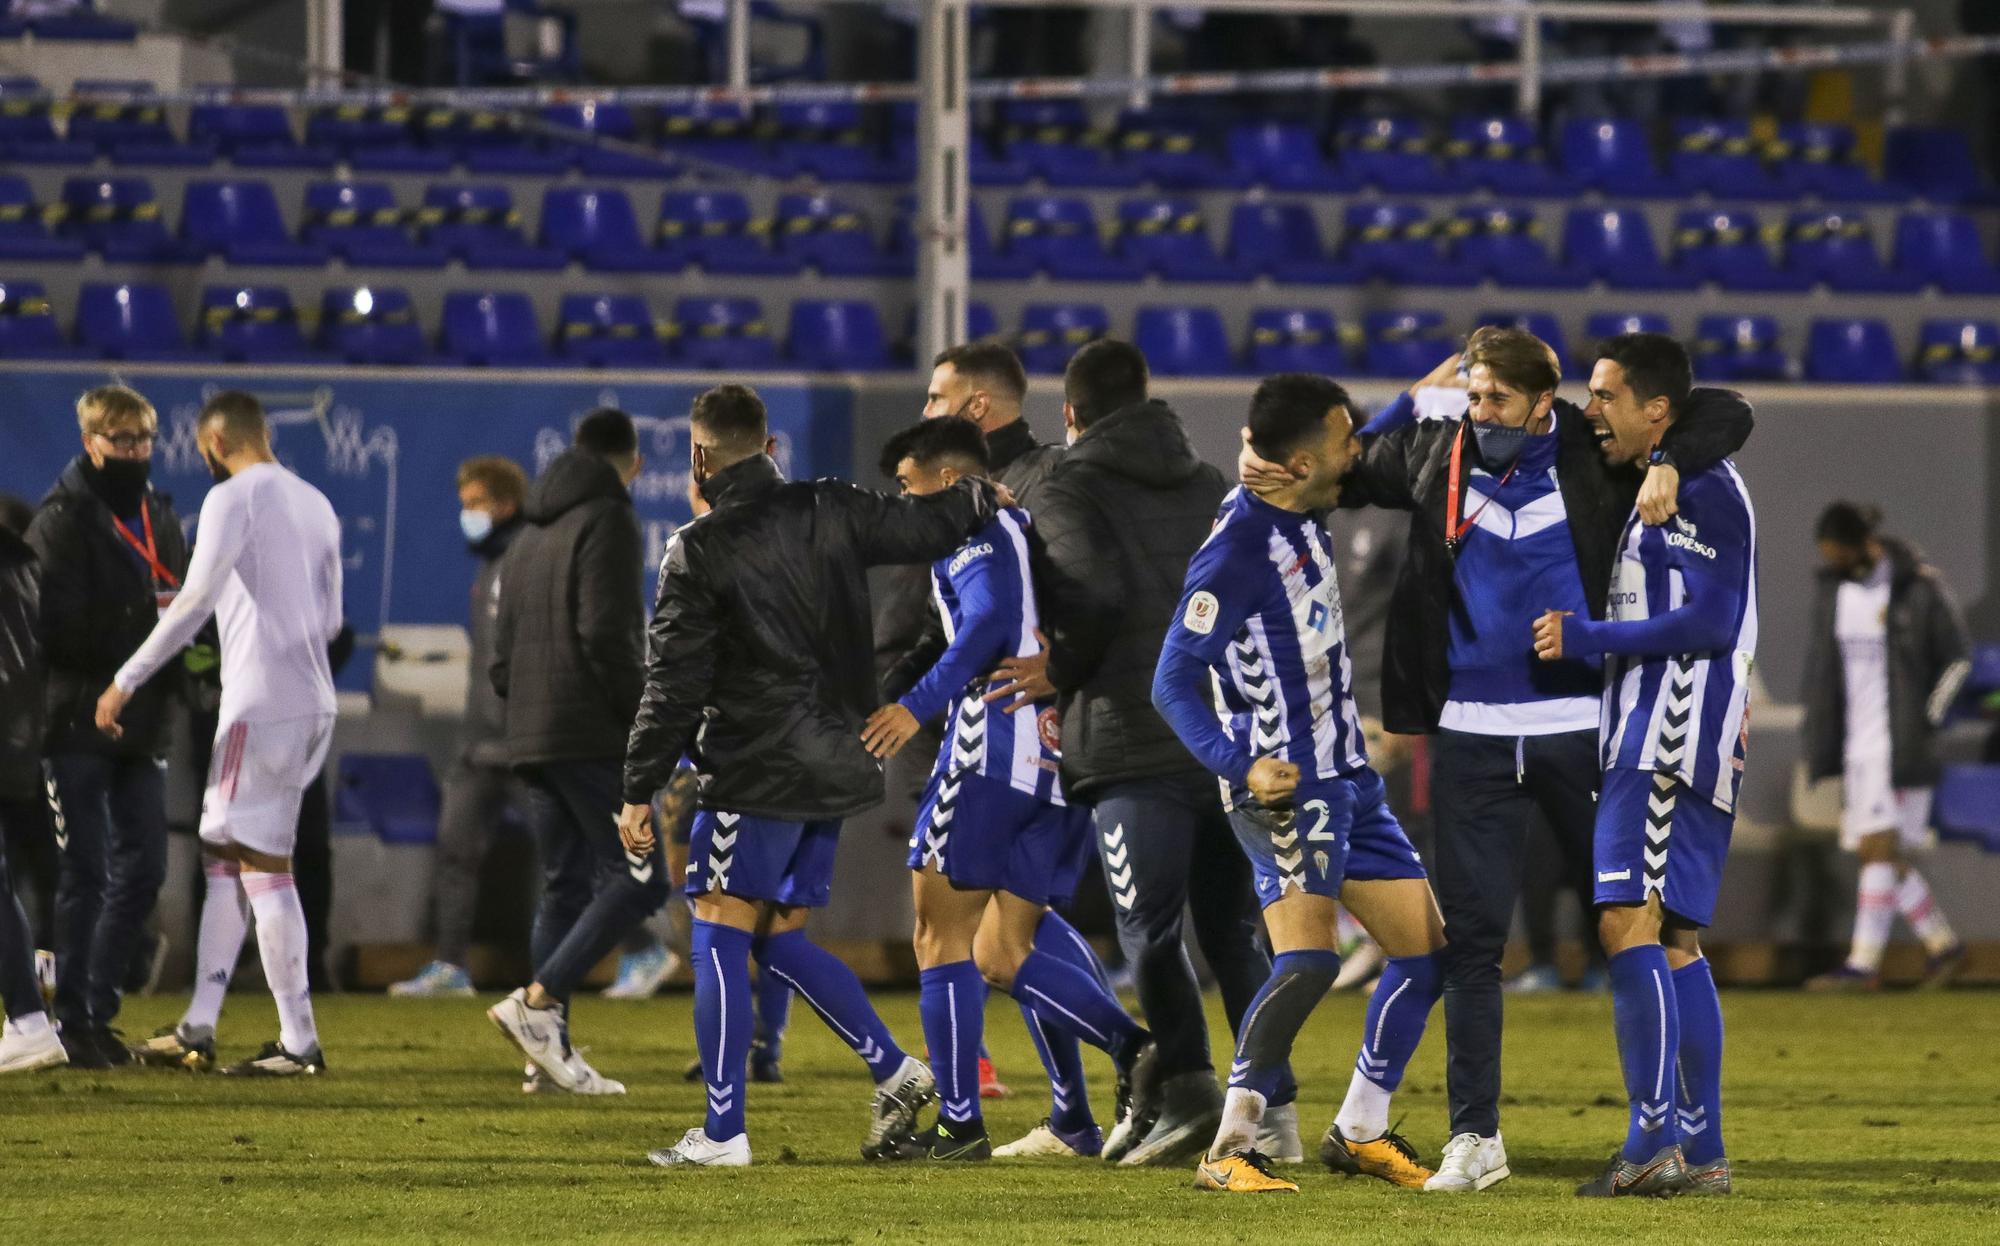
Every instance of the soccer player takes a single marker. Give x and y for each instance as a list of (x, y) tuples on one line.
[(1260, 617), (996, 844), (27, 1039), (1679, 636), (267, 566), (758, 670), (1888, 657)]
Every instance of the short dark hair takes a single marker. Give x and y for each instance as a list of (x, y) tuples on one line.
[(608, 433), (988, 362), (1656, 366), (1288, 409), (1105, 376), (941, 442), (1851, 524), (734, 416), (240, 414)]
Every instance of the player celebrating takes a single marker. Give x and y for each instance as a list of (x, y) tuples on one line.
[(1260, 616), (993, 826), (267, 565), (1679, 634)]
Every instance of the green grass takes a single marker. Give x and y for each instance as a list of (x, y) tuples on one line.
[(1852, 1119)]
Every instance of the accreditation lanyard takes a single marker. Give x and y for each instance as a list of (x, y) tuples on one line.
[(1454, 527), (149, 551)]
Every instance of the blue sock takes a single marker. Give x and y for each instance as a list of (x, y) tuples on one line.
[(1397, 1012), (830, 989), (1644, 1012), (1065, 942), (774, 1013), (953, 1006), (1061, 1053), (1700, 1113), (722, 1021), (1298, 981), (1071, 1000)]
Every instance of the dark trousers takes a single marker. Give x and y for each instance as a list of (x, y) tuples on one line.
[(312, 874), (1483, 789), (592, 893), (1168, 850), (475, 797), (1546, 878), (114, 858), (19, 992)]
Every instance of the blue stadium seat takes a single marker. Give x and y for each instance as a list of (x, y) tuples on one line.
[(28, 328), (1836, 248), (714, 228), (1613, 155), (1739, 348), (1393, 154), (24, 226), (1399, 243), (1172, 149), (1722, 158), (1818, 159), (1615, 245), (359, 222), (1502, 243), (831, 140), (1052, 332), (1055, 140), (719, 132), (1281, 241), (1959, 352), (252, 324), (1967, 809), (1543, 325), (1601, 325), (596, 226), (130, 130), (1295, 339), (28, 130), (1501, 153), (492, 328), (1184, 341), (394, 795), (1169, 238), (1058, 235), (1935, 162), (253, 136), (837, 335), (489, 143), (82, 23), (723, 335), (1943, 249), (829, 234), (609, 331), (374, 140), (1852, 351), (480, 225), (370, 325), (1406, 345), (115, 320), (1726, 246), (597, 124), (240, 221), (120, 218), (1283, 155)]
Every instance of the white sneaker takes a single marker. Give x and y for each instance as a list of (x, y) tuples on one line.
[(29, 1044), (641, 973), (539, 1033), (1043, 1142), (589, 1081), (696, 1149), (1470, 1163), (1278, 1136)]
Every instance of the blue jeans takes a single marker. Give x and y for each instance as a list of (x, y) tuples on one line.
[(593, 895), (113, 836)]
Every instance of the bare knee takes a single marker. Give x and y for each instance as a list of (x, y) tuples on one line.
[(1623, 927), (998, 953)]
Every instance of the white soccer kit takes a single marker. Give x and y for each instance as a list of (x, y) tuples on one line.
[(267, 566), (1871, 802)]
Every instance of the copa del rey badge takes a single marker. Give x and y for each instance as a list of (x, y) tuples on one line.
[(1200, 616)]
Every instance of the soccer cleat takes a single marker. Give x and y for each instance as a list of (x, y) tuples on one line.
[(1845, 979), (275, 1061), (892, 1117), (439, 978), (1244, 1172), (764, 1067), (25, 1052), (692, 1073), (111, 1045), (80, 1045), (641, 973), (540, 1033), (1662, 1176), (1278, 1136), (1390, 1157), (941, 1144), (1707, 1180), (1189, 1114), (1127, 1131), (695, 1150), (173, 1047), (1534, 980), (1045, 1141), (1941, 969), (1471, 1163), (990, 1085)]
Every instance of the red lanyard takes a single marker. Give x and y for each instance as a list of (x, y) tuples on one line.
[(1455, 528), (148, 551)]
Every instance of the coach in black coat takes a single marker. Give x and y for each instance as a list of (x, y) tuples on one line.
[(21, 692)]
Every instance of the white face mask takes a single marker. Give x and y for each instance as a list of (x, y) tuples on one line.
[(477, 525)]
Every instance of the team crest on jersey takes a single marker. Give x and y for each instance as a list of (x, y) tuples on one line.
[(1048, 726), (1201, 611), (966, 555), (1320, 862)]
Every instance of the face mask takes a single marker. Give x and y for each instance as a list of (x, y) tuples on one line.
[(124, 481), (1498, 445), (476, 525)]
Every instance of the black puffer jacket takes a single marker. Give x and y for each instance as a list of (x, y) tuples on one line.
[(98, 607), (21, 671), (1120, 516), (758, 657), (568, 640)]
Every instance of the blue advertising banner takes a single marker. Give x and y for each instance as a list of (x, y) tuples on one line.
[(385, 450)]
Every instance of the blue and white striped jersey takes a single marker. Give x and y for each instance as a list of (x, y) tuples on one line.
[(986, 595)]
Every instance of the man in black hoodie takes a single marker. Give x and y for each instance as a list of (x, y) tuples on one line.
[(567, 658), (112, 556)]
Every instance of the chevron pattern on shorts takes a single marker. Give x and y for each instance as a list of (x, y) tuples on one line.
[(722, 849), (1659, 829)]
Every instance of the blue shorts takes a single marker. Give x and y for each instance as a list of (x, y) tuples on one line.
[(789, 863), (1656, 835), (1335, 830), (985, 835)]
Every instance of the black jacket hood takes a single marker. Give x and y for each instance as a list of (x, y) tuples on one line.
[(576, 477), (1145, 443)]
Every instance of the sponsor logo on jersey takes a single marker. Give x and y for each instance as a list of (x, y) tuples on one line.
[(1200, 615), (966, 555), (1687, 542)]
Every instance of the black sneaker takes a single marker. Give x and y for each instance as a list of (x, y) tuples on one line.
[(939, 1143), (112, 1044), (275, 1061), (84, 1052)]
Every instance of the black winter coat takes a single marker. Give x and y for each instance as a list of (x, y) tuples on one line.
[(1120, 516), (98, 607), (22, 675), (758, 657), (568, 639)]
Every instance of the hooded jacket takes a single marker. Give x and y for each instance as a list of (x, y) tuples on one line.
[(21, 672), (1120, 515), (568, 637)]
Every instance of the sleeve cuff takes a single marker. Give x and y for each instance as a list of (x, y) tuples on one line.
[(1581, 636)]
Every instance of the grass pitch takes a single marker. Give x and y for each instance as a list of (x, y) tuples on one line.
[(1849, 1119)]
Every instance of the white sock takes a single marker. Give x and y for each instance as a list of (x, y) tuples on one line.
[(1364, 1115), (1242, 1116), (1874, 916), (1914, 902), (225, 919), (281, 938)]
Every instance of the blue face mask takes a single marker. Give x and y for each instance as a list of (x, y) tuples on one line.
[(1498, 445), (477, 525)]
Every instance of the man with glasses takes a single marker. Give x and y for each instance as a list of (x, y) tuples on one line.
[(113, 557)]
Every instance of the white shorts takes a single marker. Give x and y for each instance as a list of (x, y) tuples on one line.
[(258, 777), (1871, 804)]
